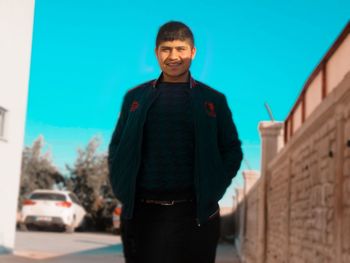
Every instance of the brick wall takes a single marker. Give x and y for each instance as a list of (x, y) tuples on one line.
[(311, 205), (277, 216), (345, 231), (299, 209), (251, 229)]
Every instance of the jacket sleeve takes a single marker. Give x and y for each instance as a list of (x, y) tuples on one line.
[(116, 136), (228, 142)]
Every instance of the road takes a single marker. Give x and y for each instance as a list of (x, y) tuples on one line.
[(52, 247)]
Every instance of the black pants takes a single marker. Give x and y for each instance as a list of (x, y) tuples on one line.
[(169, 234)]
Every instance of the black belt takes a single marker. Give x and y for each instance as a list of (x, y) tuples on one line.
[(164, 202)]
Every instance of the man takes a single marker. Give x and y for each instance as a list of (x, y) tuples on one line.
[(173, 153)]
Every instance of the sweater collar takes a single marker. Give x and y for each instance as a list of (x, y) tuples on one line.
[(155, 83)]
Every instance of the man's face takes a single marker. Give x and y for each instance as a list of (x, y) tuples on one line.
[(174, 58)]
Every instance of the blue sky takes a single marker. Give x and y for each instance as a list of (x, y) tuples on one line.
[(87, 53)]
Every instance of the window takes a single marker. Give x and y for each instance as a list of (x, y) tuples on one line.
[(48, 196), (2, 122)]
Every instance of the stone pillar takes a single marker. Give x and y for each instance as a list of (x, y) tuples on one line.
[(240, 219), (239, 195), (250, 178), (234, 204), (271, 134), (234, 212)]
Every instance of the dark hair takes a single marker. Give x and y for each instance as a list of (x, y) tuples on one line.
[(174, 30)]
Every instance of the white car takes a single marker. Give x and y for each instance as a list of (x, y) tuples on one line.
[(52, 208)]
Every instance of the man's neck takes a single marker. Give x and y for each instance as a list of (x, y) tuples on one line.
[(182, 78)]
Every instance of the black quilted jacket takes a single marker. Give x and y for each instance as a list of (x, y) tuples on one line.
[(218, 149)]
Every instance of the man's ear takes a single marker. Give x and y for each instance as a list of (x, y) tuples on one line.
[(155, 51), (193, 52)]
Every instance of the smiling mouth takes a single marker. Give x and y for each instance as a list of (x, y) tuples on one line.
[(173, 64)]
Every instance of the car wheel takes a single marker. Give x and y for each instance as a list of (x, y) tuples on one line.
[(83, 225), (70, 229), (23, 227)]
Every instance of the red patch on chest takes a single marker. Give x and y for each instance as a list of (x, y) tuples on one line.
[(210, 108)]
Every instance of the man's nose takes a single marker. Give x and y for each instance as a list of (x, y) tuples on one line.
[(173, 54)]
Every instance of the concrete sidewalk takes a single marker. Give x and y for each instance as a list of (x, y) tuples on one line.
[(225, 254), (51, 247)]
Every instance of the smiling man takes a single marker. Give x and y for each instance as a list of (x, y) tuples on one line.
[(174, 58), (174, 152)]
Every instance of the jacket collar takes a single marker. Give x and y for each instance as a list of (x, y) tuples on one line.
[(193, 83)]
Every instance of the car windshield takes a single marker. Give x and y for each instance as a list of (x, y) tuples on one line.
[(48, 196)]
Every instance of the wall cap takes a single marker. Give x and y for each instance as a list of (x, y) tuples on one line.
[(270, 128)]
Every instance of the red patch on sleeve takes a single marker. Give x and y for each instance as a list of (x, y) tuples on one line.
[(134, 106)]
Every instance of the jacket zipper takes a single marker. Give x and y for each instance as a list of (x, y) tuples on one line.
[(139, 155)]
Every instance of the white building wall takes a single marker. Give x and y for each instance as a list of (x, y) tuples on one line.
[(16, 26)]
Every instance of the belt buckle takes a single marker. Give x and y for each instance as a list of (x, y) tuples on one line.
[(167, 203)]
